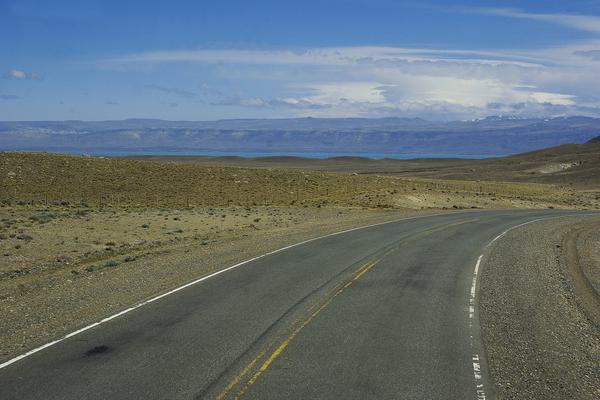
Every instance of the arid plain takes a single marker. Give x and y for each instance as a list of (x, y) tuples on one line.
[(81, 237)]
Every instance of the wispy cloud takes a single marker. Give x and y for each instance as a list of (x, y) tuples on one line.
[(261, 102), (591, 54), (9, 97), (380, 81), (332, 56), (172, 90), (16, 75), (586, 23), (112, 103)]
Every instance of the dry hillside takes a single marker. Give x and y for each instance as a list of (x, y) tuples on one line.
[(52, 179), (570, 165)]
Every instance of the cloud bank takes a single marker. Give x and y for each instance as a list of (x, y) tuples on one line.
[(383, 81)]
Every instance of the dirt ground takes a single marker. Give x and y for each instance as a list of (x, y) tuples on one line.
[(36, 240)]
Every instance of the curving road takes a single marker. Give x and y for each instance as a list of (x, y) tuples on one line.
[(382, 312)]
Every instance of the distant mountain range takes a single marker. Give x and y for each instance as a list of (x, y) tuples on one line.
[(492, 135)]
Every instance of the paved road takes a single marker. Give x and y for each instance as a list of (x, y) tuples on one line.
[(376, 313)]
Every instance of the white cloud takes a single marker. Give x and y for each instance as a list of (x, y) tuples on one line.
[(171, 90), (332, 56), (15, 74), (552, 98), (339, 92), (378, 81), (278, 102)]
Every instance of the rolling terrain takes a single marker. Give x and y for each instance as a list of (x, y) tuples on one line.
[(576, 165), (88, 239), (43, 179)]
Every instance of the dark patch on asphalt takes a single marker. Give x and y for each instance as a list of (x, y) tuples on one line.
[(97, 350)]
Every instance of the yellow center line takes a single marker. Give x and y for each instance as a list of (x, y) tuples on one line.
[(289, 339), (363, 269), (330, 296), (253, 362), (239, 377)]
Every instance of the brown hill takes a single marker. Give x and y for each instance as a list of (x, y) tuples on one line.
[(576, 165), (572, 165), (50, 179), (594, 140)]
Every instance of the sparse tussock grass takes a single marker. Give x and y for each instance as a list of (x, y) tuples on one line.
[(111, 263), (87, 182)]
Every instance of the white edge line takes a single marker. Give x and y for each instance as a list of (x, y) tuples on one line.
[(221, 271), (477, 373)]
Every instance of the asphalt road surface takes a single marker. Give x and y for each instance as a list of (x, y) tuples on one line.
[(376, 313)]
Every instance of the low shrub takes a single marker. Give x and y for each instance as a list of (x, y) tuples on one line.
[(111, 263)]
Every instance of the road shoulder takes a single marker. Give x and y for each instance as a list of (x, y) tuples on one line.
[(542, 342)]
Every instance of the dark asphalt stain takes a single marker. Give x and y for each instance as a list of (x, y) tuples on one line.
[(97, 350)]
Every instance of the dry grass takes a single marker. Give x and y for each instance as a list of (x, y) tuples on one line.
[(52, 179), (35, 241)]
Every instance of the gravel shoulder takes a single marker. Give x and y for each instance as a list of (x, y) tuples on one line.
[(588, 241), (42, 301), (537, 318)]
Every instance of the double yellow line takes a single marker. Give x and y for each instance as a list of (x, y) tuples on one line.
[(307, 318)]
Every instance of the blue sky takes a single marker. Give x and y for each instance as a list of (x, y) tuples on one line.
[(201, 60)]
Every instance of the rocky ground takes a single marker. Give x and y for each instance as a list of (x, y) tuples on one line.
[(538, 323)]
